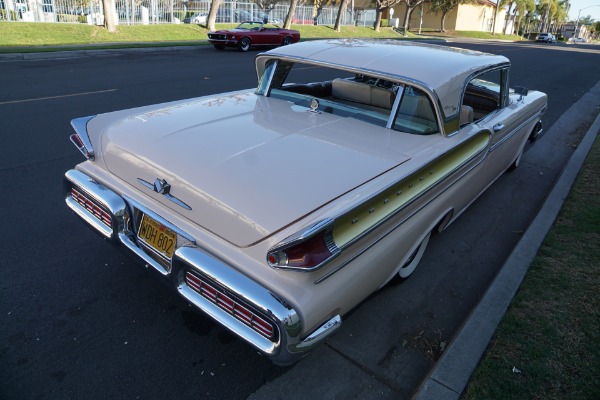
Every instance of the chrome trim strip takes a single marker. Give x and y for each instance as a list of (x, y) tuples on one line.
[(286, 319), (167, 195), (80, 127), (106, 198), (395, 107), (158, 218), (355, 256), (130, 243), (315, 338), (303, 235), (514, 132)]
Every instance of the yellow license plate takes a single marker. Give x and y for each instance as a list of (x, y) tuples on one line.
[(157, 236)]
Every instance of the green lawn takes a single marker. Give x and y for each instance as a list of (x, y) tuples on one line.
[(23, 34), (551, 332)]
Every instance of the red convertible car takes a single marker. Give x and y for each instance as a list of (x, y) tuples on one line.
[(253, 33)]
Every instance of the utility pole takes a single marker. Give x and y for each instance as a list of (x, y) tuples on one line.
[(578, 15)]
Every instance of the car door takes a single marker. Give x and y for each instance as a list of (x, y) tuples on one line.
[(504, 118)]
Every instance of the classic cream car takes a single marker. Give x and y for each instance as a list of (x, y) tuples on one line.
[(277, 210)]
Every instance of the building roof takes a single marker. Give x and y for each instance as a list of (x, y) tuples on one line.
[(441, 69)]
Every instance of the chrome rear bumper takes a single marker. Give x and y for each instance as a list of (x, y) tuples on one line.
[(93, 201)]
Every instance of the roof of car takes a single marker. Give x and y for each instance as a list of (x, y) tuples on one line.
[(442, 69)]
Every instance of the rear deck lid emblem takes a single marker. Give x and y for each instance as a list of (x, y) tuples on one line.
[(161, 186)]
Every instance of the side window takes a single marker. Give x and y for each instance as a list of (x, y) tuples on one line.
[(483, 95), (416, 113)]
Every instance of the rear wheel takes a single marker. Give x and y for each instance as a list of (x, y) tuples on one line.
[(286, 40), (536, 133), (244, 44), (411, 264)]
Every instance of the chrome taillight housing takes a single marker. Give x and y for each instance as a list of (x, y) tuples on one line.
[(231, 305), (80, 138), (307, 250)]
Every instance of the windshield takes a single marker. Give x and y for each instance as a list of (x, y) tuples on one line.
[(250, 26)]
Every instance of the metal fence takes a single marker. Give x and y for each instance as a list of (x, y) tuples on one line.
[(145, 12)]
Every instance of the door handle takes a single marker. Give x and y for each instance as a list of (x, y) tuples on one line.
[(498, 127)]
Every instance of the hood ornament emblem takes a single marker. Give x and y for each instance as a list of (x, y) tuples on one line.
[(161, 186)]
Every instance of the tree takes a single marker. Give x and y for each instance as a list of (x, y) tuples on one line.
[(411, 5), (290, 15), (212, 15), (266, 5), (523, 8), (444, 7), (500, 4), (380, 7), (318, 8), (109, 15), (341, 12), (507, 19)]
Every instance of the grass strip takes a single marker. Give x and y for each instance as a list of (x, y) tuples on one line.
[(548, 344), (35, 35)]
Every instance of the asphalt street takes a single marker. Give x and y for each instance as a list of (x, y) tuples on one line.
[(78, 319)]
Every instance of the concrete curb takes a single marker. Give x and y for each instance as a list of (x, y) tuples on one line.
[(453, 370)]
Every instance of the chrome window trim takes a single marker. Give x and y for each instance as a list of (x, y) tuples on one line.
[(504, 88), (395, 107), (404, 80)]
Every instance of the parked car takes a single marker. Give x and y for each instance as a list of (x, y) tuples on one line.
[(579, 40), (277, 210), (546, 38), (198, 19), (253, 33)]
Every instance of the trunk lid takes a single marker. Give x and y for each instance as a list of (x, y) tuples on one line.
[(247, 165)]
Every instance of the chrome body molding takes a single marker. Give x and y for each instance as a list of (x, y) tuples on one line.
[(327, 329), (286, 346), (516, 130)]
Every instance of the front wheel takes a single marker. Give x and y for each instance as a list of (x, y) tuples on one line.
[(411, 264), (244, 44), (286, 40)]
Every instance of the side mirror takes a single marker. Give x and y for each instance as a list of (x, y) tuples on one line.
[(522, 91)]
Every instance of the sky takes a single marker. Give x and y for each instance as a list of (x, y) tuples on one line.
[(577, 5)]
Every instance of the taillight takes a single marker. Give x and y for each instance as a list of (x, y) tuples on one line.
[(80, 146), (92, 208), (230, 305), (307, 250)]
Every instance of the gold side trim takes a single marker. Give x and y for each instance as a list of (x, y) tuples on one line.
[(353, 224)]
